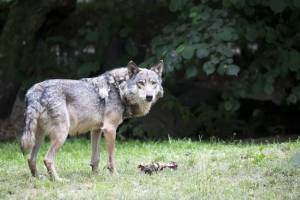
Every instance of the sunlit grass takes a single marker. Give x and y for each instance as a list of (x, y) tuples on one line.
[(215, 170)]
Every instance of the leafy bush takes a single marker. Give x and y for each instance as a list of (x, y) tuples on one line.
[(252, 45)]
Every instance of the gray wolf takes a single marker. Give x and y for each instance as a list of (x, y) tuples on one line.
[(59, 107)]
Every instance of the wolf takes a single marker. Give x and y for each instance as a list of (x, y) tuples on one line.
[(62, 107)]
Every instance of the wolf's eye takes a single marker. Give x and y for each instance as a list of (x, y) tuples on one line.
[(153, 82), (141, 83)]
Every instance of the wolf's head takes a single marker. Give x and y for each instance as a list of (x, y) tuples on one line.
[(144, 86)]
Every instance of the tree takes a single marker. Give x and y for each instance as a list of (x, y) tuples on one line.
[(17, 43)]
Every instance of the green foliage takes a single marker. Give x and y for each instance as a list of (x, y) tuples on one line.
[(254, 44), (200, 37), (176, 5)]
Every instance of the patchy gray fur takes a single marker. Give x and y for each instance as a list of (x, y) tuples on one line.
[(61, 107)]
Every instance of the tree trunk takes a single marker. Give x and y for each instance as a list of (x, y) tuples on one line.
[(17, 43)]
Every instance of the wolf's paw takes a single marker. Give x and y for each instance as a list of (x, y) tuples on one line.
[(113, 171), (95, 169)]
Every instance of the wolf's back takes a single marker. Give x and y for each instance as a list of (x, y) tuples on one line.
[(33, 108)]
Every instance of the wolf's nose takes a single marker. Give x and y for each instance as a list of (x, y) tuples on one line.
[(149, 98)]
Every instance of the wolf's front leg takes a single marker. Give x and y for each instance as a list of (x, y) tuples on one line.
[(95, 139), (112, 119), (110, 137)]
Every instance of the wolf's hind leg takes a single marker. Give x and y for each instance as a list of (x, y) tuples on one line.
[(57, 140), (95, 158), (39, 137)]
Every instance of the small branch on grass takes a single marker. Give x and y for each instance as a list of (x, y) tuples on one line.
[(156, 166)]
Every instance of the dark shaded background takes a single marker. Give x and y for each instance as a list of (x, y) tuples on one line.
[(232, 67)]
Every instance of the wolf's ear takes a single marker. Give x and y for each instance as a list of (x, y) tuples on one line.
[(132, 68), (158, 68)]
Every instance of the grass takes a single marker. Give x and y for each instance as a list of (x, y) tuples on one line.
[(207, 170)]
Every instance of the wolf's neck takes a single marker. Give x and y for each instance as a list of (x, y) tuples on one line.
[(136, 110)]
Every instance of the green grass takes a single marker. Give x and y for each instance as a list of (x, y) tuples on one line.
[(215, 170)]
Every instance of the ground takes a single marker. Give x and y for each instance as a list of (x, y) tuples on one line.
[(206, 170)]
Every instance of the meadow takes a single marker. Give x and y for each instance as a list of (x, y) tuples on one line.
[(206, 170)]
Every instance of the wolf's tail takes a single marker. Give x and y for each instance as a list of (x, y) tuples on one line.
[(28, 137), (32, 114)]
